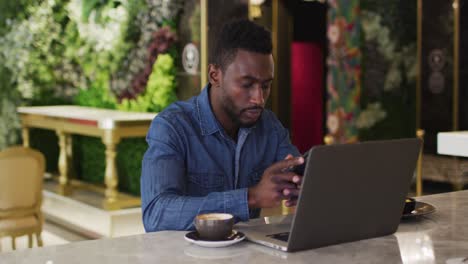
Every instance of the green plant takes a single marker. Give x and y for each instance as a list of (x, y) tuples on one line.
[(96, 96), (388, 69), (153, 15), (160, 90), (32, 68), (9, 126), (46, 141), (13, 10), (129, 156), (33, 53), (95, 7), (89, 159), (85, 52)]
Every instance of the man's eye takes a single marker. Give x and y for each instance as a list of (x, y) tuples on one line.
[(247, 85), (266, 86)]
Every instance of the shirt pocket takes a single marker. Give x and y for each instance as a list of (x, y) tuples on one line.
[(256, 175), (202, 183)]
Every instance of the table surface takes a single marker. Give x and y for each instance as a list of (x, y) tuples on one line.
[(441, 237), (88, 113)]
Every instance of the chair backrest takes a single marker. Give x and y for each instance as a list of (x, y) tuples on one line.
[(21, 176)]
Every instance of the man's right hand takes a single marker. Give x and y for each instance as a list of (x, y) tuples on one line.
[(278, 183)]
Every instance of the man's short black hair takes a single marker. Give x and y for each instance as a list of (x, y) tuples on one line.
[(240, 34)]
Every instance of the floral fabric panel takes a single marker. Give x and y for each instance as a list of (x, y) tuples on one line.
[(344, 70)]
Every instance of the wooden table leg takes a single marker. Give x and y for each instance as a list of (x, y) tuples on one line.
[(111, 140), (25, 134), (64, 181), (69, 151)]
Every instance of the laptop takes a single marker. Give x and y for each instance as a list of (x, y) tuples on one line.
[(349, 192)]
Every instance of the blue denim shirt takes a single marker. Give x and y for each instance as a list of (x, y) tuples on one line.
[(192, 166)]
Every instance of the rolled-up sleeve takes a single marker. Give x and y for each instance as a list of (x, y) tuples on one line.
[(165, 203)]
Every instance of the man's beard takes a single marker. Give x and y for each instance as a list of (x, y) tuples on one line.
[(230, 110)]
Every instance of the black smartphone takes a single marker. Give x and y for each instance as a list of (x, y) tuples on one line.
[(299, 170)]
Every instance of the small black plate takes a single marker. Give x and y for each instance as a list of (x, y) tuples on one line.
[(420, 209)]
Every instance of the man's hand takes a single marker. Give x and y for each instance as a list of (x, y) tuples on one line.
[(278, 183), (294, 193)]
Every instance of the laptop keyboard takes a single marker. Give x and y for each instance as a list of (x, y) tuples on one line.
[(280, 236)]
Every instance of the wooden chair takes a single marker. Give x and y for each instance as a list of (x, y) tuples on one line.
[(21, 176)]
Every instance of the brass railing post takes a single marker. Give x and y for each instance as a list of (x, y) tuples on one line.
[(419, 187)]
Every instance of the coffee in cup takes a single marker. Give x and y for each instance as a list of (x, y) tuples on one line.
[(214, 226)]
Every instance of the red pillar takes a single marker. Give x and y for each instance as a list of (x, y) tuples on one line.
[(307, 94)]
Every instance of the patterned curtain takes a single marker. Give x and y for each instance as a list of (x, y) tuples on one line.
[(344, 70)]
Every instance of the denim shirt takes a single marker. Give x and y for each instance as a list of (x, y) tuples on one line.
[(192, 166)]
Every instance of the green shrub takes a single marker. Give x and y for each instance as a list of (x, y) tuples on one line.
[(46, 141), (129, 157), (89, 161)]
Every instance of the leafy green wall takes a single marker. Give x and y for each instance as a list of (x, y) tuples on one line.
[(389, 69), (114, 54)]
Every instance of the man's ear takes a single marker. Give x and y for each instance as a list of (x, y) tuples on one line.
[(215, 74)]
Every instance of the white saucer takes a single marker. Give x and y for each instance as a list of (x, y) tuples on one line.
[(236, 237)]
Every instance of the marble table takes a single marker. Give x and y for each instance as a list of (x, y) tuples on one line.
[(453, 143), (441, 237), (109, 125)]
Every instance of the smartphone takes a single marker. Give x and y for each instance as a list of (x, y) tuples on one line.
[(299, 170)]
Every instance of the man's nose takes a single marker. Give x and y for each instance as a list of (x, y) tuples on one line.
[(256, 95)]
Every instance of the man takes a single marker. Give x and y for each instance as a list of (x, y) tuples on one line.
[(221, 151)]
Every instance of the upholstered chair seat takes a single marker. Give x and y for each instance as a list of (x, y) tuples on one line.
[(20, 223)]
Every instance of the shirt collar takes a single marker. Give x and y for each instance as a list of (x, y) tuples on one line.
[(208, 122)]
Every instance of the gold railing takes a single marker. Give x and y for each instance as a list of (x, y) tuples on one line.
[(419, 181)]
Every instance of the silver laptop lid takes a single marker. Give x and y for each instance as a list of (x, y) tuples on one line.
[(352, 192)]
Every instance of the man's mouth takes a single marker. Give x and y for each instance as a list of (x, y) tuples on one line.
[(253, 113)]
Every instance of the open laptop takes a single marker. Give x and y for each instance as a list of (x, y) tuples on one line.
[(349, 192)]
